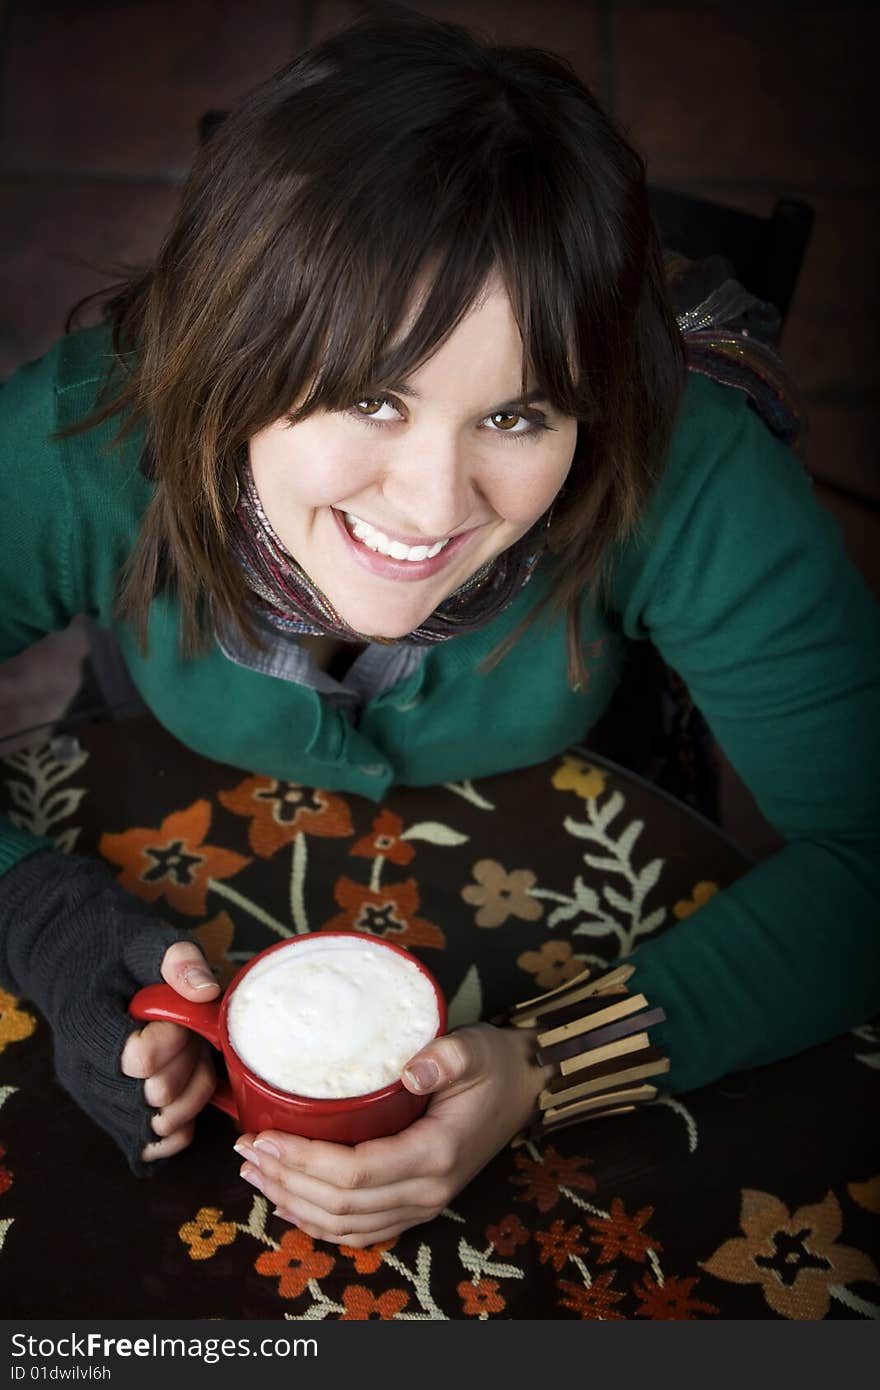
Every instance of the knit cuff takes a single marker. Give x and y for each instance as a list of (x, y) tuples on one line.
[(80, 947)]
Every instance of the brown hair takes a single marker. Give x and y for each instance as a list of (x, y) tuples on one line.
[(395, 151)]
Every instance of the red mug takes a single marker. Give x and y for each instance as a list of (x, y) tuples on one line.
[(254, 1103)]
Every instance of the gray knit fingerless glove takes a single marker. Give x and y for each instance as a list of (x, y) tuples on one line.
[(80, 947)]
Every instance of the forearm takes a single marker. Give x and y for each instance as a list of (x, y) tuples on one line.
[(79, 946), (16, 844), (532, 1077), (783, 959)]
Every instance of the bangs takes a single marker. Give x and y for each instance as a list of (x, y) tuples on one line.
[(383, 254)]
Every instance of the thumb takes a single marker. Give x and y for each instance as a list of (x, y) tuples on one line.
[(185, 969), (443, 1063)]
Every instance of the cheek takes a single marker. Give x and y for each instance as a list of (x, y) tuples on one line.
[(521, 494), (302, 469)]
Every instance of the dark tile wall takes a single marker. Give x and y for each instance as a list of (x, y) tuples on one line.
[(740, 102)]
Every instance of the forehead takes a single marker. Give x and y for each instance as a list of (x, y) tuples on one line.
[(482, 351)]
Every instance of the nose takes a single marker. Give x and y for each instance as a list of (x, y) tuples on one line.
[(429, 486)]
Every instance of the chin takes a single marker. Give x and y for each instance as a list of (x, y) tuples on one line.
[(386, 632), (385, 629)]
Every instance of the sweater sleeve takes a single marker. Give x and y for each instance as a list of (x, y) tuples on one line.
[(741, 581), (35, 536)]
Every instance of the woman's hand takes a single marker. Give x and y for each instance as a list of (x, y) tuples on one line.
[(174, 1063), (484, 1091)]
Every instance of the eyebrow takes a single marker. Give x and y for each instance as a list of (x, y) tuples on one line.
[(535, 392)]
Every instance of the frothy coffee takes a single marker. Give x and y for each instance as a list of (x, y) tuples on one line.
[(331, 1016)]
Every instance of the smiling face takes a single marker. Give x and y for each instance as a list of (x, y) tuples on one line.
[(391, 504)]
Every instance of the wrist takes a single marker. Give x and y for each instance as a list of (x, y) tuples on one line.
[(536, 1075), (589, 1050)]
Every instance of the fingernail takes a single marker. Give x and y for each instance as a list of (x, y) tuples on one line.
[(284, 1215), (268, 1147), (423, 1074), (197, 977), (252, 1176), (246, 1152)]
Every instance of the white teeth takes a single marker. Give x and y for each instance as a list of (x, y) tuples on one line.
[(374, 539)]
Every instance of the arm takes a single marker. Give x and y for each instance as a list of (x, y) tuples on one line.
[(70, 938), (743, 585)]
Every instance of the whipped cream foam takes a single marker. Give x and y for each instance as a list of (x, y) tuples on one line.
[(331, 1016)]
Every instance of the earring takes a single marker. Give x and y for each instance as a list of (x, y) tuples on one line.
[(237, 493), (560, 494)]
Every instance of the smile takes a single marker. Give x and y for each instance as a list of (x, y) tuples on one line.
[(376, 540), (398, 557)]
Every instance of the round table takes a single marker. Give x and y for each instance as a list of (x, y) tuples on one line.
[(758, 1197)]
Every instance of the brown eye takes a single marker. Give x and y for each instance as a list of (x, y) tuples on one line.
[(503, 420), (370, 405)]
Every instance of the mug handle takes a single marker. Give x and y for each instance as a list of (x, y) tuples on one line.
[(161, 1003)]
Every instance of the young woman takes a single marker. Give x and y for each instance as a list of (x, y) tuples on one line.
[(395, 431)]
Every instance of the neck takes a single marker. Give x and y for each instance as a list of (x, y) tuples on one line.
[(331, 654)]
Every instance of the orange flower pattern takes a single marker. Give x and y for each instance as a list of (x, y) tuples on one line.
[(558, 1244), (16, 1023), (385, 840), (867, 1194), (388, 912), (543, 1182), (619, 1234), (581, 777), (481, 1297), (795, 1257), (173, 861), (215, 938), (294, 1264), (701, 894), (368, 1260), (670, 1301), (507, 1235), (279, 811), (552, 965), (361, 1305), (206, 1233), (595, 1301), (499, 894)]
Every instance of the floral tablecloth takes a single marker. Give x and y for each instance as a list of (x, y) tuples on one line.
[(758, 1197)]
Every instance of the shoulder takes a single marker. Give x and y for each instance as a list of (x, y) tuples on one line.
[(45, 394), (726, 492), (720, 441), (80, 490)]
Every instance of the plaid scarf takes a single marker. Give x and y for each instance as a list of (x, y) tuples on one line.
[(288, 600)]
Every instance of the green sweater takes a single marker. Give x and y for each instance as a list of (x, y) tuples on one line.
[(737, 576)]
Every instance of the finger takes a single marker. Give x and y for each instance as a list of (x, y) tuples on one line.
[(189, 1103), (161, 1087), (338, 1227), (149, 1049), (171, 1144), (445, 1062), (372, 1164), (355, 1240), (185, 969), (281, 1185)]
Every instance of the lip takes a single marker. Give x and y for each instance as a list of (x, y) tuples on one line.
[(386, 567)]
